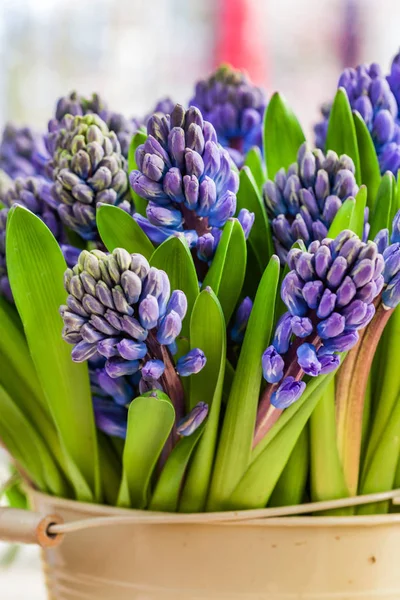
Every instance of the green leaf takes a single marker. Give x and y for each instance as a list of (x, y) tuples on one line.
[(119, 230), (249, 197), (166, 494), (380, 218), (27, 448), (357, 218), (36, 267), (254, 161), (283, 135), (258, 482), (291, 485), (150, 421), (327, 477), (228, 380), (226, 274), (208, 332), (369, 164), (341, 136), (343, 218), (139, 138), (381, 472), (18, 377), (234, 450), (173, 256)]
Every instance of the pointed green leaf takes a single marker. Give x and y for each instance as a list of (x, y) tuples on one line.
[(226, 274), (254, 161), (249, 197), (291, 485), (357, 218), (139, 138), (283, 135), (258, 482), (342, 218), (341, 136), (208, 332), (166, 494), (18, 377), (369, 164), (380, 219), (27, 447), (234, 449), (36, 267), (173, 256), (150, 421), (326, 472), (119, 230)]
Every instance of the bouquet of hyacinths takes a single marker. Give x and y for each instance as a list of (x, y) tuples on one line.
[(198, 309)]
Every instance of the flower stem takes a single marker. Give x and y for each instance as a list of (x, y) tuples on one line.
[(351, 388)]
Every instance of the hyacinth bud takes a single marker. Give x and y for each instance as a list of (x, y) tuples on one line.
[(246, 219), (188, 180), (272, 365), (191, 363), (77, 105), (391, 293), (307, 359), (241, 319), (88, 169), (303, 202), (113, 310), (235, 107), (110, 418), (288, 392), (193, 420), (22, 152), (376, 99)]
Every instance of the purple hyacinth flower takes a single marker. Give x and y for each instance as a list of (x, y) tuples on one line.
[(288, 392), (169, 328), (283, 333), (328, 362), (191, 363), (307, 359), (193, 420), (301, 326), (118, 388), (110, 418), (246, 219), (272, 365), (153, 369), (241, 319)]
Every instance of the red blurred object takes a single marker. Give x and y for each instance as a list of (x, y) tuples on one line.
[(238, 38)]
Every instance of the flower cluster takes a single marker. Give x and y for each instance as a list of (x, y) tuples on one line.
[(302, 202), (188, 180), (122, 309), (235, 107), (329, 293), (22, 152), (87, 168), (31, 193), (376, 98), (77, 105)]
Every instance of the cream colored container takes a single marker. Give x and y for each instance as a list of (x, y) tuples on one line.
[(152, 556)]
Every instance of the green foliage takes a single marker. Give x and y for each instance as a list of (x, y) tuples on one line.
[(282, 135), (119, 230), (139, 138), (234, 449), (36, 268), (341, 136)]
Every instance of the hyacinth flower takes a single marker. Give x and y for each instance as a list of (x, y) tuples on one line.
[(353, 376), (375, 97), (122, 310), (188, 180), (77, 105), (31, 193), (329, 293), (241, 319), (22, 152), (235, 106), (303, 201), (87, 168)]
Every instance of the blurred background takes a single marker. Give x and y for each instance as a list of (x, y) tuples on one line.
[(133, 52)]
